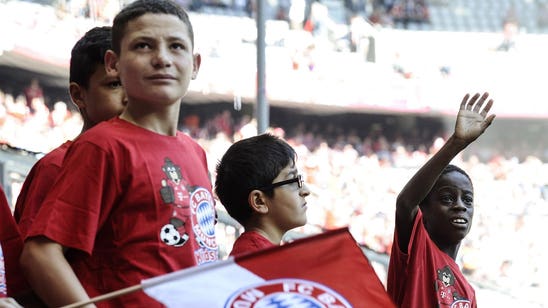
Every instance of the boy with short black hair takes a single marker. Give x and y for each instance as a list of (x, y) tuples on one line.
[(133, 200), (434, 213), (259, 185), (97, 95)]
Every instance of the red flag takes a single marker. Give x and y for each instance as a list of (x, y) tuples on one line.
[(326, 270)]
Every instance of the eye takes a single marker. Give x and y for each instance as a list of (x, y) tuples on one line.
[(446, 199), (468, 200), (178, 46), (142, 45), (115, 84)]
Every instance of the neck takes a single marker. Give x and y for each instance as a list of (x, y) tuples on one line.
[(163, 124), (272, 237), (451, 250)]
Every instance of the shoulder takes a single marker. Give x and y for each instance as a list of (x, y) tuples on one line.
[(191, 143), (183, 137), (108, 134), (55, 157)]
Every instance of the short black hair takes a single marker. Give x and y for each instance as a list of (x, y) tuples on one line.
[(88, 54), (141, 7), (247, 165)]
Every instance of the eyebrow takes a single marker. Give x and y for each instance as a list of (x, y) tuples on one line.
[(150, 37), (294, 172), (455, 187)]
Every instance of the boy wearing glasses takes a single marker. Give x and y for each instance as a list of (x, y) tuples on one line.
[(259, 185)]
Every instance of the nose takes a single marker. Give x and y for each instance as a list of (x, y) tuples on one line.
[(124, 99), (460, 206), (162, 57), (304, 191)]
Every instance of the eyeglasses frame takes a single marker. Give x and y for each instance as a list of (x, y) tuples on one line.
[(298, 179)]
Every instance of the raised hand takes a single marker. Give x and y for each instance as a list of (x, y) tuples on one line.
[(472, 120)]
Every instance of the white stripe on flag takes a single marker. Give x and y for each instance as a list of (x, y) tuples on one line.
[(198, 287)]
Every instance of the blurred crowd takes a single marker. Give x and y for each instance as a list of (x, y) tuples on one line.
[(354, 182), (26, 122)]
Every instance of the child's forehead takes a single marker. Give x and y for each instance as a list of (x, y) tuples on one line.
[(289, 169), (454, 179), (155, 25)]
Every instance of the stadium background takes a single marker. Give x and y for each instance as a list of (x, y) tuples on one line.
[(364, 90)]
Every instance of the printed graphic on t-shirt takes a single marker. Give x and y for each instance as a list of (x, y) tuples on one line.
[(192, 211), (175, 193), (448, 295)]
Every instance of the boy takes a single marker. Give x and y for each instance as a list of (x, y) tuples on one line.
[(259, 185), (133, 199), (433, 214), (98, 96)]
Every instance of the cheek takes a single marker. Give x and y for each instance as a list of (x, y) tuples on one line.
[(129, 70), (113, 105), (108, 104)]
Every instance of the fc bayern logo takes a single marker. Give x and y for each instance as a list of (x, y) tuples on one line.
[(286, 293), (203, 217)]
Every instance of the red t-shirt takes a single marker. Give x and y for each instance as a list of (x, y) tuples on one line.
[(12, 245), (250, 241), (36, 186), (426, 276), (132, 204)]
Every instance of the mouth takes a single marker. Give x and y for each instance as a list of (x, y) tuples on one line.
[(459, 221), (161, 77)]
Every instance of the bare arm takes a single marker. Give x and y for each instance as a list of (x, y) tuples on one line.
[(50, 275), (470, 124)]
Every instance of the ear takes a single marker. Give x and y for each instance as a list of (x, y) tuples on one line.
[(257, 201), (78, 95), (111, 63), (196, 65)]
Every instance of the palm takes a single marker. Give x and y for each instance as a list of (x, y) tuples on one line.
[(469, 125)]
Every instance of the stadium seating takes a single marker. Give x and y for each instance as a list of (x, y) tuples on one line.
[(484, 15)]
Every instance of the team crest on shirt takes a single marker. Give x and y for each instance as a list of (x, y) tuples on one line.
[(448, 295), (202, 215), (287, 293)]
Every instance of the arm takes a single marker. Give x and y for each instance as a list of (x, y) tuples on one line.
[(470, 124), (50, 275), (34, 191)]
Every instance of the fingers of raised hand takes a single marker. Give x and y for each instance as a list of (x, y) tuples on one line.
[(486, 108), (472, 101), (464, 100), (473, 104), (488, 121), (480, 102)]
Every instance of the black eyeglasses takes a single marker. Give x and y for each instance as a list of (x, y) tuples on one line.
[(298, 179)]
